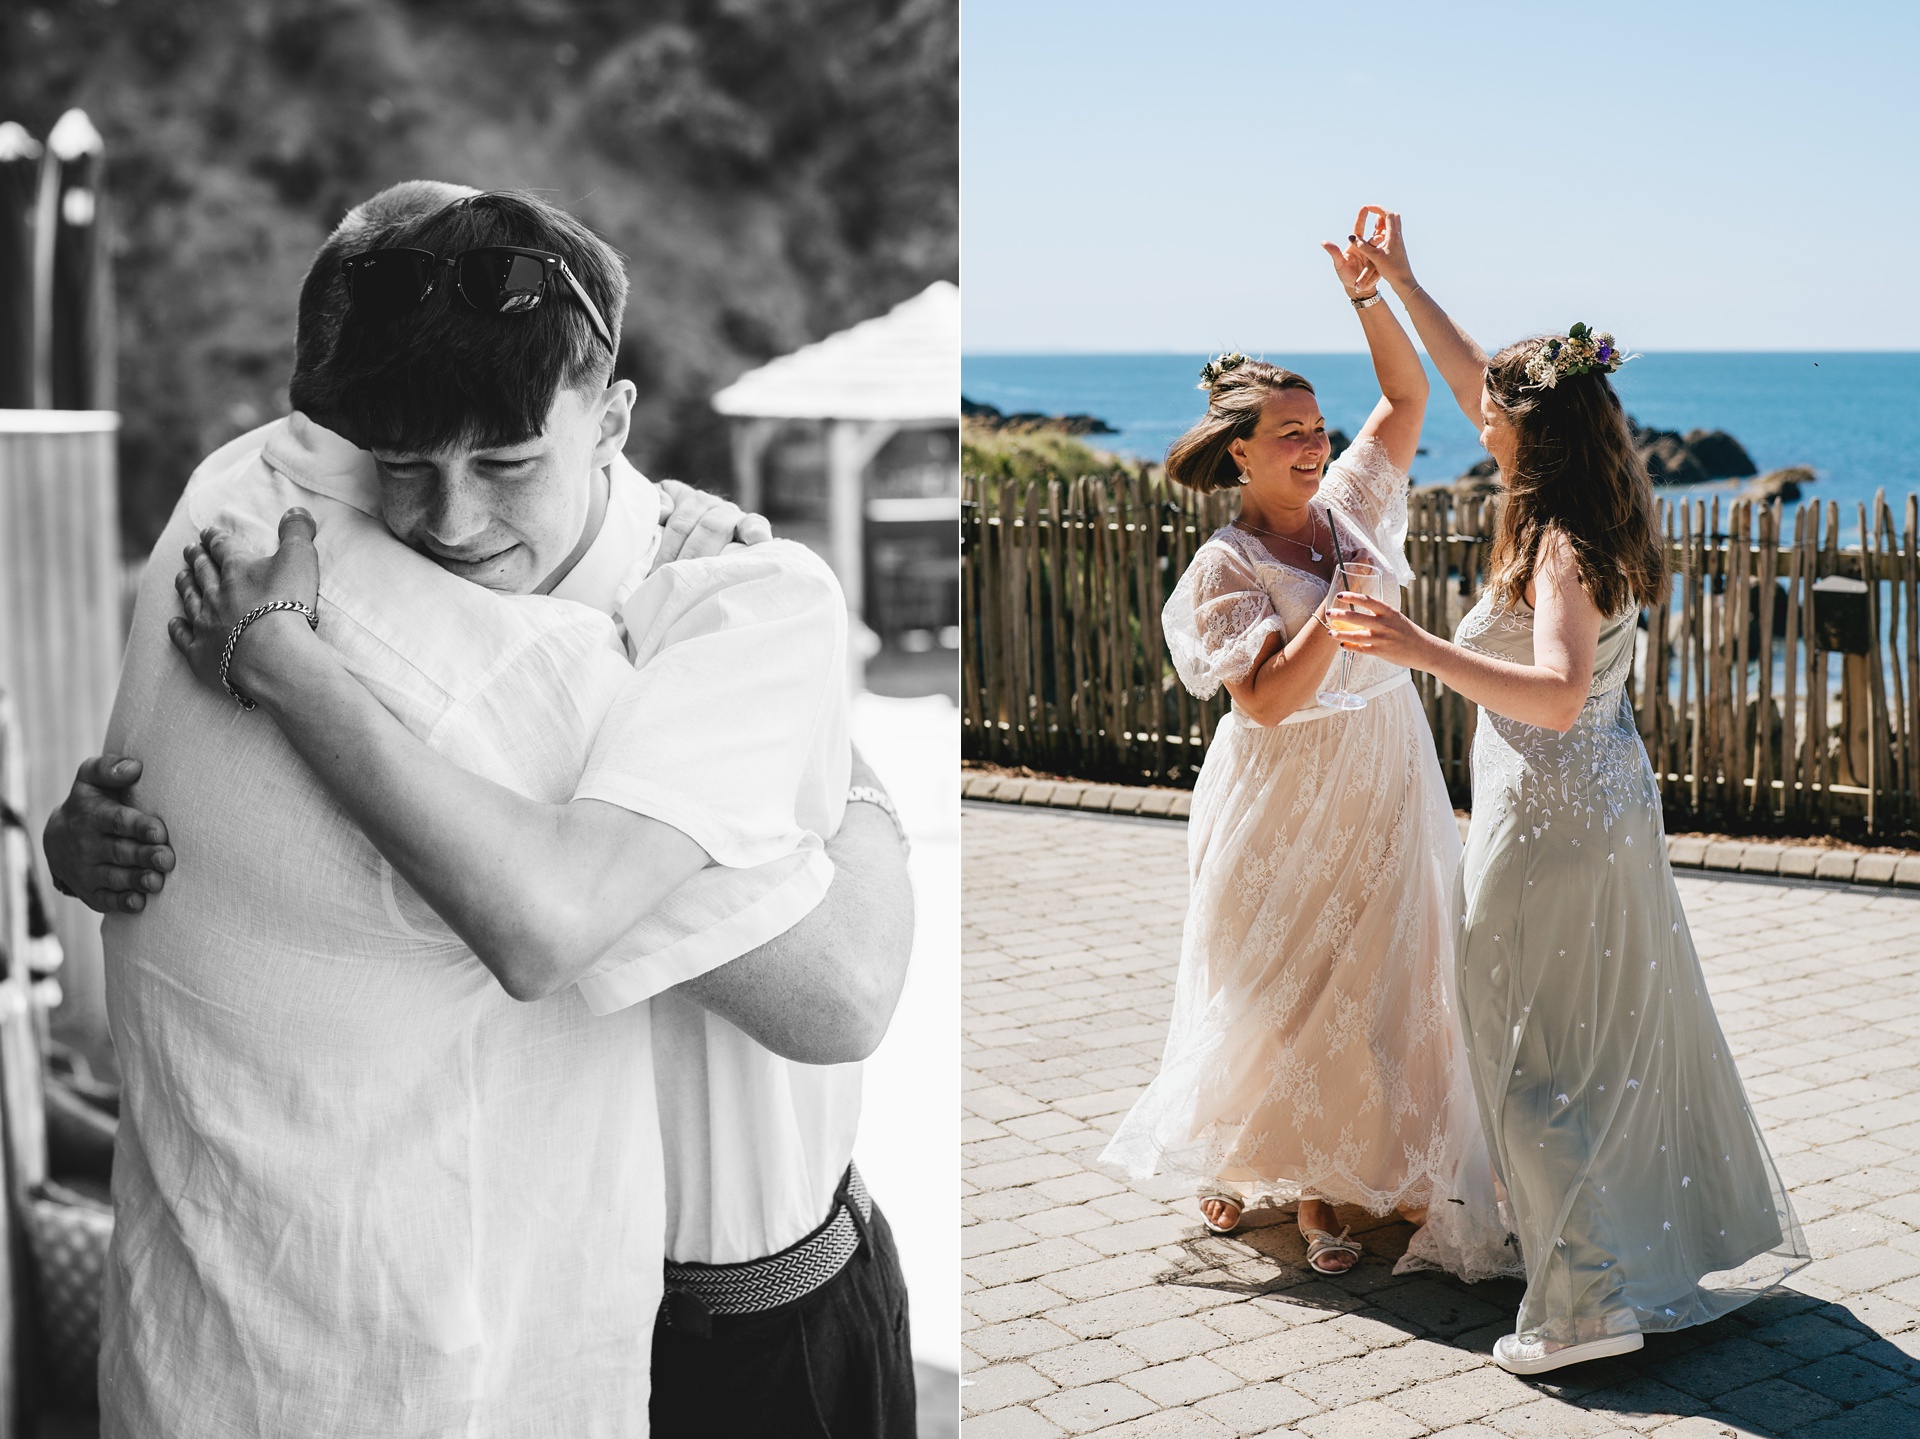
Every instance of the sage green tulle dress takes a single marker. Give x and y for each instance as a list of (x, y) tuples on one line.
[(1640, 1188)]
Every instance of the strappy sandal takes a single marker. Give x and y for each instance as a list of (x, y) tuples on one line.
[(1320, 1242), (1234, 1205)]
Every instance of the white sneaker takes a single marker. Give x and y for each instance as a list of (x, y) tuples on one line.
[(1533, 1356)]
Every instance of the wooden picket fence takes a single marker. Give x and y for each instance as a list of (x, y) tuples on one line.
[(1777, 687)]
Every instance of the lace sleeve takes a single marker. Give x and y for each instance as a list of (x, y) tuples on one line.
[(1369, 489), (1218, 619)]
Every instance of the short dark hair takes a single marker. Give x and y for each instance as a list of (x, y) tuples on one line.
[(445, 374), (323, 299)]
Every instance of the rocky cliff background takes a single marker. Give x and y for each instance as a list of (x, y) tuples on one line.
[(773, 169)]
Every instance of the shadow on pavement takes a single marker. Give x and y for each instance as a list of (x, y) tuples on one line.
[(1786, 1366)]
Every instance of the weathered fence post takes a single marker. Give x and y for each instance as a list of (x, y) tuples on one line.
[(1065, 665)]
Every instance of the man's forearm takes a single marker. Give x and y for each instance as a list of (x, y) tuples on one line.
[(538, 890), (824, 992)]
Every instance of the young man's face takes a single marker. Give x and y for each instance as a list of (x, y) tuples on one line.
[(513, 518)]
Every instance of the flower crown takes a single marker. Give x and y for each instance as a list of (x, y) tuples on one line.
[(1214, 371), (1579, 352)]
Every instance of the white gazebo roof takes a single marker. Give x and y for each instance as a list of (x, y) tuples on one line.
[(902, 366)]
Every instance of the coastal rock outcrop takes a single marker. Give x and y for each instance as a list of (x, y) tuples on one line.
[(1782, 484), (1671, 458), (1720, 454), (1032, 422), (1690, 459)]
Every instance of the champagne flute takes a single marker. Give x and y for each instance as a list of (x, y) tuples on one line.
[(1360, 578)]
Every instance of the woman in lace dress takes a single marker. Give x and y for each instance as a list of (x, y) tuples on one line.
[(1641, 1190), (1314, 1053)]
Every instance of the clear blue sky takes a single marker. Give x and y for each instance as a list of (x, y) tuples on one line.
[(1155, 176)]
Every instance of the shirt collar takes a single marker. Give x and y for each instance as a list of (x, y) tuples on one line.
[(317, 459), (605, 577)]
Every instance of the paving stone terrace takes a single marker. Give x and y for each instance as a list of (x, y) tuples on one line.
[(1095, 1307)]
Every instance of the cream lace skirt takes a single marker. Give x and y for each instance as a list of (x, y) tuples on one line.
[(1315, 1047)]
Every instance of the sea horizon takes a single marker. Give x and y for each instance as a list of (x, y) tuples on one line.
[(1853, 416)]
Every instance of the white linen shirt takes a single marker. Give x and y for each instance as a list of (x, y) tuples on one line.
[(755, 1144), (359, 1190)]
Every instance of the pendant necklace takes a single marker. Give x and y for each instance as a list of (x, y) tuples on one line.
[(1313, 528)]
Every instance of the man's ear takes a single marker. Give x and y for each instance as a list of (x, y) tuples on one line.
[(615, 419)]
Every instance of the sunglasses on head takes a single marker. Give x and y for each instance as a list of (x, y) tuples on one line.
[(493, 279)]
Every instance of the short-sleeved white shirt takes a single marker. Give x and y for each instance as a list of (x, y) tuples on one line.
[(359, 1190), (741, 680)]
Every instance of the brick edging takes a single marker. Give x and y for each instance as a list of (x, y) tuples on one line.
[(1683, 851)]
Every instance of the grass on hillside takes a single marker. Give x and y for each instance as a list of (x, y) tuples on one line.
[(1031, 456)]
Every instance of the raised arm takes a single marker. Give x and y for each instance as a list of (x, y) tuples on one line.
[(1455, 353), (1395, 421)]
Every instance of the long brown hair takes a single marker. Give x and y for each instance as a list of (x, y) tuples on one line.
[(1199, 458), (1574, 470)]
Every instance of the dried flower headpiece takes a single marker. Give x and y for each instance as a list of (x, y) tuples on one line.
[(1581, 351), (1214, 371)]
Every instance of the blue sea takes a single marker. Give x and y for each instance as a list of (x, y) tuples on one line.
[(1855, 418)]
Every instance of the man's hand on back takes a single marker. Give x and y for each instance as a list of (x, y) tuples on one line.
[(107, 854), (695, 525)]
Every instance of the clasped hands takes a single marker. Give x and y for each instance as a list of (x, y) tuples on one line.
[(1368, 258)]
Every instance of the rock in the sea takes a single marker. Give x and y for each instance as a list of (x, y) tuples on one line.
[(1667, 458), (1671, 459), (1078, 425), (1031, 422), (1339, 440), (1720, 454), (1779, 484), (1690, 459)]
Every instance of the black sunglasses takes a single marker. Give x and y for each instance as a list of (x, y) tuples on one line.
[(493, 279)]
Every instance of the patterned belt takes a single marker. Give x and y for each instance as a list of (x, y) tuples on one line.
[(696, 1292)]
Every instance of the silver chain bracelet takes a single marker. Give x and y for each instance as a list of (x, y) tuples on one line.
[(233, 639), (880, 799)]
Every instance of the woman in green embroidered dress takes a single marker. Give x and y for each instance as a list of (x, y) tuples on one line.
[(1639, 1186)]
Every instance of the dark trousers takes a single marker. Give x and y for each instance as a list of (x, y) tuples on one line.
[(834, 1365)]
